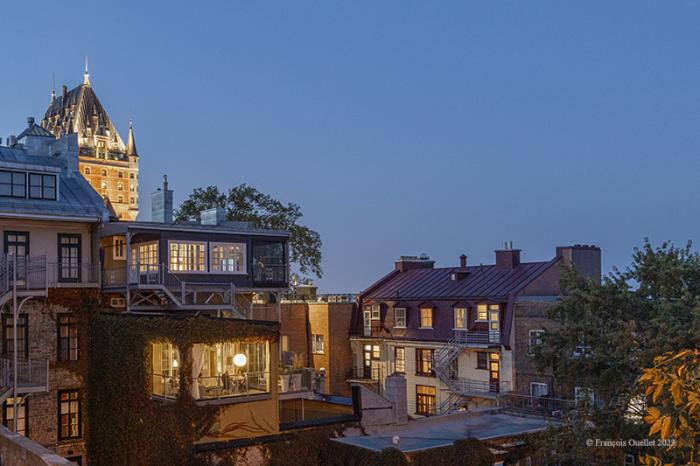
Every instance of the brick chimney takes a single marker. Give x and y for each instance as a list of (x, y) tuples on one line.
[(413, 262), (585, 257), (507, 258), (463, 261)]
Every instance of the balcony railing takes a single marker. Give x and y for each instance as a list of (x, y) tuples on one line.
[(472, 337), (29, 272), (541, 405), (68, 273), (32, 374), (224, 386), (468, 386)]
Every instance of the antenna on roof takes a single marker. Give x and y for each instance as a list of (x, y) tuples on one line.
[(86, 76)]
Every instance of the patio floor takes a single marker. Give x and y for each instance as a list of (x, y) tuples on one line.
[(423, 434)]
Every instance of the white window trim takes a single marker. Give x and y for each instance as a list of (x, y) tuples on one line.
[(539, 384), (314, 346), (530, 333), (122, 257), (378, 309), (226, 243), (477, 312), (396, 309), (206, 257)]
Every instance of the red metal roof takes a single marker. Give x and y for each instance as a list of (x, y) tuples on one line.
[(435, 283)]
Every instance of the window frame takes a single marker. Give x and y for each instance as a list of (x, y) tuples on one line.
[(539, 384), (536, 334), (426, 396), (487, 307), (396, 317), (376, 353), (420, 314), (401, 349), (60, 258), (317, 338), (244, 261), (284, 343), (195, 242), (78, 400), (7, 322), (23, 404), (116, 246), (12, 184), (376, 309), (42, 186), (485, 365), (421, 360), (464, 318), (72, 323)]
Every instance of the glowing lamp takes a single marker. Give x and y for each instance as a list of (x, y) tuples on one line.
[(240, 360), (174, 363)]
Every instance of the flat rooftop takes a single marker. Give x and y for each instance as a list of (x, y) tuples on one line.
[(439, 431)]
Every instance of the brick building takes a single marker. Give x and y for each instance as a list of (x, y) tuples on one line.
[(463, 335)]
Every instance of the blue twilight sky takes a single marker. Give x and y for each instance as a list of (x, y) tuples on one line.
[(400, 127)]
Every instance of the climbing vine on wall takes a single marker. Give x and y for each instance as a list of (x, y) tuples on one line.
[(126, 426)]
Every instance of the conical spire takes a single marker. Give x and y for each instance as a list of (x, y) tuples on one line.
[(131, 143), (86, 75)]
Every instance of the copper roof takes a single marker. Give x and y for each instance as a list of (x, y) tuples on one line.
[(436, 283)]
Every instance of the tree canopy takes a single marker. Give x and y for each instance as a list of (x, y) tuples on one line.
[(610, 331), (245, 203)]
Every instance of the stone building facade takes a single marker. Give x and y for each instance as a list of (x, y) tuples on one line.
[(111, 167)]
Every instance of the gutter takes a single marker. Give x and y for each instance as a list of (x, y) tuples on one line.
[(68, 218)]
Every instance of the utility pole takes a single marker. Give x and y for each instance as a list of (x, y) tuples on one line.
[(14, 343)]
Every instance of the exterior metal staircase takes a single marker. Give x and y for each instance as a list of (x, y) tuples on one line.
[(460, 389)]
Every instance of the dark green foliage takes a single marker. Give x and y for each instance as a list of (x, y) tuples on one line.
[(622, 323), (127, 427), (391, 457), (245, 203), (315, 447), (471, 452)]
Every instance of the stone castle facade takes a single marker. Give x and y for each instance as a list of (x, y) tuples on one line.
[(109, 165)]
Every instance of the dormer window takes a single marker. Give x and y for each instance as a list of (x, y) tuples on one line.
[(375, 312), (460, 318), (42, 186), (482, 311), (426, 317), (400, 317), (13, 184)]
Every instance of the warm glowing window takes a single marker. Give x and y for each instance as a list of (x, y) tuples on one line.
[(317, 344), (228, 257), (460, 318), (146, 256), (188, 256), (482, 311), (375, 351), (426, 317), (425, 400), (424, 361), (400, 359)]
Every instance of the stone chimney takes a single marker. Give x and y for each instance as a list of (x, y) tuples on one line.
[(507, 258), (162, 203), (584, 257)]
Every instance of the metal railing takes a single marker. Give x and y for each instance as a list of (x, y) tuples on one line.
[(68, 272), (166, 385), (538, 405), (224, 386), (297, 380), (29, 271), (473, 337), (32, 374)]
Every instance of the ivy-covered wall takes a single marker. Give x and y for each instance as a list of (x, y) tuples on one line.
[(128, 427)]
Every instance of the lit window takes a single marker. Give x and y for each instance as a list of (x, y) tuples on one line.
[(146, 256), (131, 188), (375, 352), (8, 416), (400, 359), (426, 317), (460, 318), (188, 256), (317, 344), (131, 200), (482, 311), (166, 369), (400, 317), (285, 342), (103, 185), (425, 400), (119, 248), (69, 421), (228, 257), (424, 361)]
